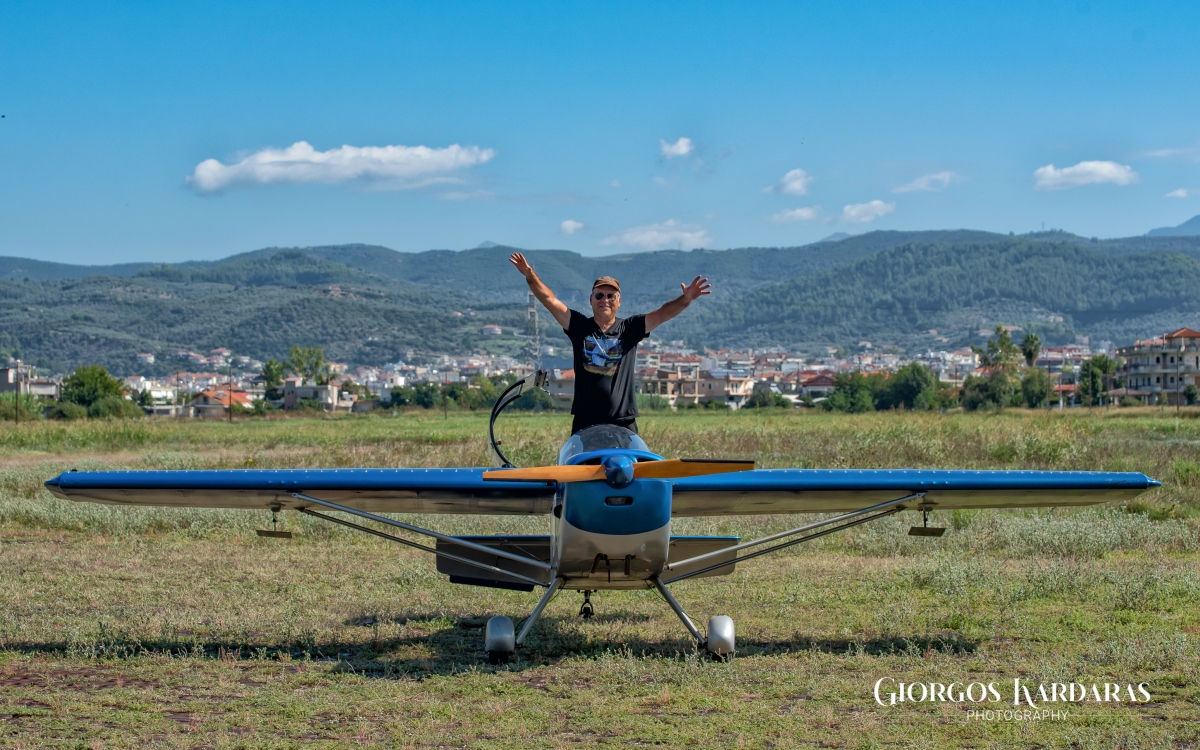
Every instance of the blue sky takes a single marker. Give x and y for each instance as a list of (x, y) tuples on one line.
[(166, 131)]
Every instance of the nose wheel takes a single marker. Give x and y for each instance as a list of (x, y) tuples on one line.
[(586, 611)]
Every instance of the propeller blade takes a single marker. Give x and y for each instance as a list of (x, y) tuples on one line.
[(579, 473), (672, 468), (675, 468)]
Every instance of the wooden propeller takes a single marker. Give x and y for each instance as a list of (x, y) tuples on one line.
[(672, 468)]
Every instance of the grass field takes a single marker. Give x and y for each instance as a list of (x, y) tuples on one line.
[(158, 628)]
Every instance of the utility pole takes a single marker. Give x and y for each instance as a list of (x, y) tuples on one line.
[(1179, 377), (230, 392), (17, 396), (535, 338)]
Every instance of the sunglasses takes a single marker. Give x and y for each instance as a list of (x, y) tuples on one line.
[(606, 295)]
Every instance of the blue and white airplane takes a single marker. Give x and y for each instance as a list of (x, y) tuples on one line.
[(610, 502)]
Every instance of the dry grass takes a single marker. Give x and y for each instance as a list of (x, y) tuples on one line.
[(149, 627)]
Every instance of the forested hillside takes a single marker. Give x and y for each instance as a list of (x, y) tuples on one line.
[(894, 296), (890, 288), (258, 306), (648, 279)]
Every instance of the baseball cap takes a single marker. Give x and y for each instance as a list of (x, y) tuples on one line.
[(607, 281)]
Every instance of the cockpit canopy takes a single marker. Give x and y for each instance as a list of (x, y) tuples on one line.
[(600, 437)]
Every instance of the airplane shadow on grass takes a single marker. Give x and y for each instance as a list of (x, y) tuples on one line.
[(458, 648)]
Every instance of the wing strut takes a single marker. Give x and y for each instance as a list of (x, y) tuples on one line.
[(417, 529), (456, 558), (837, 523)]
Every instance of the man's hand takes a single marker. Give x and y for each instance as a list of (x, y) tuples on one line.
[(518, 260), (541, 291), (692, 291)]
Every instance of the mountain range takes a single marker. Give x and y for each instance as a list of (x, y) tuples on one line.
[(369, 304)]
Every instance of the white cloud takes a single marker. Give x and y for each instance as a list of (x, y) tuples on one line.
[(1191, 153), (1050, 177), (862, 213), (466, 195), (933, 183), (670, 233), (681, 147), (1180, 193), (796, 214), (387, 167), (570, 226), (795, 182)]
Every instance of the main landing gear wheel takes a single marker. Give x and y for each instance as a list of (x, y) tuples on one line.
[(499, 639), (720, 643)]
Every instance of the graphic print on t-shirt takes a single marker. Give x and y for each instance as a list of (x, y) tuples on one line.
[(602, 354)]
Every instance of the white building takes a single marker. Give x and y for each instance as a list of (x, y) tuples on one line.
[(1159, 370)]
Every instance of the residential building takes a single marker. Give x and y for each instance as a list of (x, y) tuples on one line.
[(1159, 370), (678, 385), (21, 378), (647, 359), (816, 385), (733, 387), (561, 385), (491, 330), (215, 402), (294, 392)]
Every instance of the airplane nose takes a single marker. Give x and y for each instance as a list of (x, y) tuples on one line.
[(618, 471)]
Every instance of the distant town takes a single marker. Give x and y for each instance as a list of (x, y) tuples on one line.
[(1156, 370)]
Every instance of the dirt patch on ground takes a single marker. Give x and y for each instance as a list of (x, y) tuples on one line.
[(74, 679)]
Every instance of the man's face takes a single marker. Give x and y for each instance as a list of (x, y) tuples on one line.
[(605, 301)]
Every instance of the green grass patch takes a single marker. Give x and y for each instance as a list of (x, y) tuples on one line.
[(149, 627)]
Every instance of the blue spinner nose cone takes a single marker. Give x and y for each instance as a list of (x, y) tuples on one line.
[(618, 471)]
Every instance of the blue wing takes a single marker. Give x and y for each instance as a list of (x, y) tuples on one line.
[(829, 490), (374, 490), (465, 491)]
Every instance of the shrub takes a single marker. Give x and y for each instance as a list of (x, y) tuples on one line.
[(853, 392), (310, 404), (25, 406), (1036, 388), (533, 399), (913, 386), (89, 384), (993, 391), (67, 411), (763, 397), (652, 402), (114, 407)]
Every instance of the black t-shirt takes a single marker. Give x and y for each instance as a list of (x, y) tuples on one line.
[(605, 368)]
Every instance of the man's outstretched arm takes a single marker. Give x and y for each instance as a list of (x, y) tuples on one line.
[(541, 291), (691, 292)]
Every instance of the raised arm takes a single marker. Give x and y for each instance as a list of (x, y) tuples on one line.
[(691, 292), (541, 291)]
